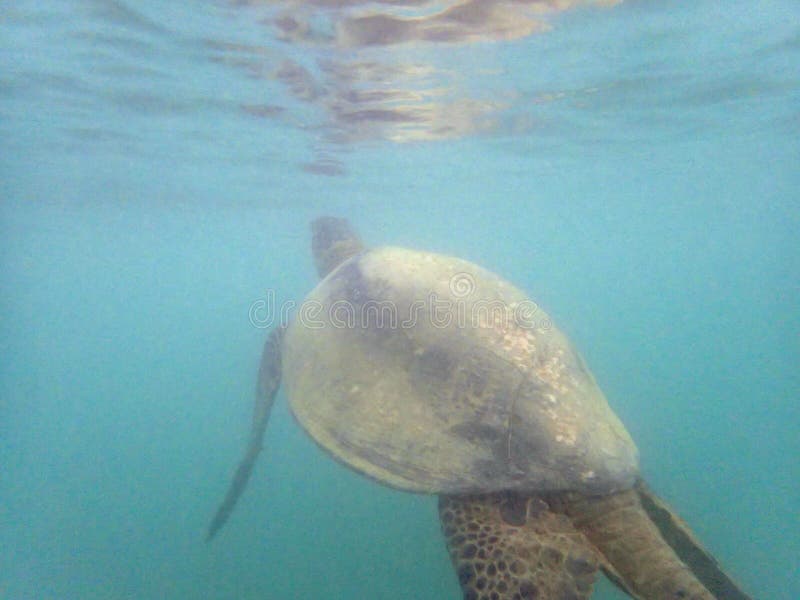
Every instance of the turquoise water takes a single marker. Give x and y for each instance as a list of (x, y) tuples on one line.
[(633, 167)]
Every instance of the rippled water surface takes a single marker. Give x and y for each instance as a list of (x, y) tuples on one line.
[(631, 165)]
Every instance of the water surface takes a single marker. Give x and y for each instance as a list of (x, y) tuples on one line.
[(633, 166)]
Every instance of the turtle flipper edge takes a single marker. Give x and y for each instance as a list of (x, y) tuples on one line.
[(641, 561), (269, 380), (681, 539)]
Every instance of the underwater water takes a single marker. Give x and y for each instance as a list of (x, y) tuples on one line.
[(633, 166)]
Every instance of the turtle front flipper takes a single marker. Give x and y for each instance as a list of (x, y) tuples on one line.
[(269, 380), (640, 559), (508, 546)]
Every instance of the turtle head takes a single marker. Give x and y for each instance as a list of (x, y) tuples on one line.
[(333, 241)]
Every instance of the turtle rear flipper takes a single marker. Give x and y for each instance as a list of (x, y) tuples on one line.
[(643, 560), (681, 539), (508, 546), (269, 380)]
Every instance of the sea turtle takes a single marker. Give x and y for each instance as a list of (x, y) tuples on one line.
[(431, 374)]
